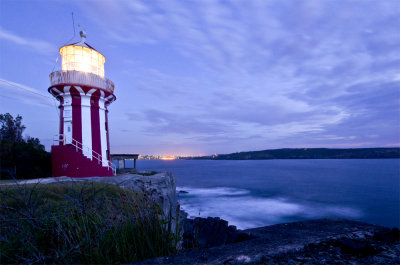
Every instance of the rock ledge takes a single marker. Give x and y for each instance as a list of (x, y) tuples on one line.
[(332, 241)]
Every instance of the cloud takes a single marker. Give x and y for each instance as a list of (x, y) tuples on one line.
[(272, 71), (24, 94), (162, 122), (34, 45), (257, 37), (233, 124)]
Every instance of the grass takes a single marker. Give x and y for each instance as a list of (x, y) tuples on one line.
[(80, 222)]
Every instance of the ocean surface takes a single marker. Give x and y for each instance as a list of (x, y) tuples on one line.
[(253, 193)]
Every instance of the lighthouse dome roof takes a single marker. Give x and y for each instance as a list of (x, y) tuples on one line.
[(82, 44)]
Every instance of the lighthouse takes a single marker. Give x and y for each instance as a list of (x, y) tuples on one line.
[(82, 147)]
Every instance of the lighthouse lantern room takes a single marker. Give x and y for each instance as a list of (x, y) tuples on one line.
[(82, 147)]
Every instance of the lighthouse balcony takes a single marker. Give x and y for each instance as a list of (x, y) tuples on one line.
[(81, 78)]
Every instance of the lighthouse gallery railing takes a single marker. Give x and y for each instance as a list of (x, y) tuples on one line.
[(82, 78), (61, 138)]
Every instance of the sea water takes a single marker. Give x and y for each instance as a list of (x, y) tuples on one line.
[(253, 193)]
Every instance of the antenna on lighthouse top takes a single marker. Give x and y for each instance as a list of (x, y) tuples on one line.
[(82, 33), (83, 36)]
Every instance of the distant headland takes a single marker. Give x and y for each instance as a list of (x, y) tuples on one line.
[(307, 153)]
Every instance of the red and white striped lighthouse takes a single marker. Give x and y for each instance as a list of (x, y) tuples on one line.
[(82, 148)]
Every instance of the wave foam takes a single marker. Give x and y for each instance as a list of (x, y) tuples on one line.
[(246, 211), (218, 191)]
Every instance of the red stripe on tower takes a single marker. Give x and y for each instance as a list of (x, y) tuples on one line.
[(61, 108), (94, 109), (108, 137), (76, 115)]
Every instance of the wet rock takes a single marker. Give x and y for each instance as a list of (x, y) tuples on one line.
[(355, 247), (208, 232), (323, 241), (388, 235)]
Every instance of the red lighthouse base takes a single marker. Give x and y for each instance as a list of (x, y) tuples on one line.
[(66, 161)]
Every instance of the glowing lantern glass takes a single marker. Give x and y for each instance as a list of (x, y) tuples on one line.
[(82, 59)]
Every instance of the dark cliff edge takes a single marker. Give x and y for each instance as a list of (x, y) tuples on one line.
[(332, 241), (308, 153)]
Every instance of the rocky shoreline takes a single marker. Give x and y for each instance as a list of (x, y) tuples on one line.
[(323, 241), (213, 241)]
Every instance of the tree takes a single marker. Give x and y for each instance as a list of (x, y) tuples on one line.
[(11, 129), (35, 142), (19, 158)]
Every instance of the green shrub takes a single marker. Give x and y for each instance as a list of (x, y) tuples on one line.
[(80, 222)]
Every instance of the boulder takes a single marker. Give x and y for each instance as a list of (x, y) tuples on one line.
[(209, 232)]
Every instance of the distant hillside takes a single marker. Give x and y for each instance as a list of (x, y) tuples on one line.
[(309, 153)]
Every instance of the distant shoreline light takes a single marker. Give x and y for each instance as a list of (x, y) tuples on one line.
[(167, 158)]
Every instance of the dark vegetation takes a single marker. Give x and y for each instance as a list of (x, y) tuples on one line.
[(80, 222), (21, 158), (309, 153)]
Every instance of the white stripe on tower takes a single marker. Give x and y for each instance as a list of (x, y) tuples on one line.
[(55, 90), (80, 90), (109, 97), (103, 135), (67, 115), (86, 124)]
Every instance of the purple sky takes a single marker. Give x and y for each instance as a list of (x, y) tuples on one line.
[(203, 77)]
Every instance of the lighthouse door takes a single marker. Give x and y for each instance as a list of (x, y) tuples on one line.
[(68, 132)]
